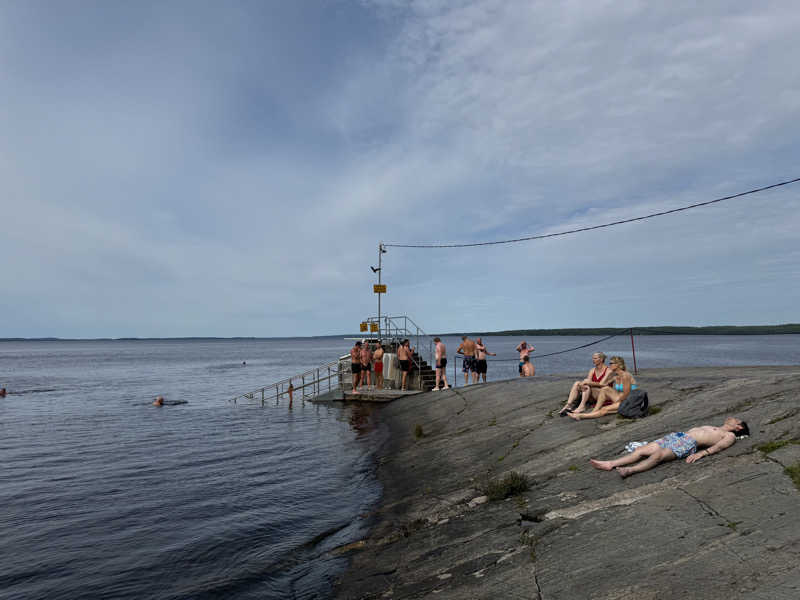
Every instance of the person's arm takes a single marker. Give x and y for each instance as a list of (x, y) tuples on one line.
[(725, 442), (460, 348)]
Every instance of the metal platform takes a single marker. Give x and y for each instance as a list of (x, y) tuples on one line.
[(371, 394)]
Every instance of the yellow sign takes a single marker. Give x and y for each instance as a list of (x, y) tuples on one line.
[(379, 288), (364, 326), (373, 327)]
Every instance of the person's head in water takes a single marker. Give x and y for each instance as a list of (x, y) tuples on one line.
[(2, 392), (159, 401), (736, 426)]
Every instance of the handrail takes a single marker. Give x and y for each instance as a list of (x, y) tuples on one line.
[(318, 376), (393, 329), (280, 388)]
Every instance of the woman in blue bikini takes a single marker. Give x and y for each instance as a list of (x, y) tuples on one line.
[(611, 397)]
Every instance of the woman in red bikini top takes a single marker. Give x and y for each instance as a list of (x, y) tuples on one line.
[(597, 378)]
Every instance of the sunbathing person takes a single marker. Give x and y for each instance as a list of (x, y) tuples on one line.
[(599, 377), (678, 445), (610, 397)]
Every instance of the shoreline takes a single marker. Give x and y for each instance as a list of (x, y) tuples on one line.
[(731, 521)]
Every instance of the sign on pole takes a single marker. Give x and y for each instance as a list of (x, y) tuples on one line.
[(373, 327), (379, 288), (364, 326)]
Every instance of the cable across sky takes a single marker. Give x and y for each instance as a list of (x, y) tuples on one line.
[(581, 229)]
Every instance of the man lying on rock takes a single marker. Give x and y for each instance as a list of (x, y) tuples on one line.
[(678, 445)]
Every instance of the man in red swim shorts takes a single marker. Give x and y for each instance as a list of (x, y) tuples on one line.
[(378, 366)]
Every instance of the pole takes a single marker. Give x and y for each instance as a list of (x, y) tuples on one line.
[(633, 349), (380, 260)]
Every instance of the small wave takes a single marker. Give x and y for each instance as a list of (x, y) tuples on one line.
[(30, 391), (226, 367)]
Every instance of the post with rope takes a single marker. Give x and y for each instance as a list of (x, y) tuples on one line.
[(633, 349)]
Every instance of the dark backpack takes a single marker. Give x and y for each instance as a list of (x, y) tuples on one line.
[(635, 406)]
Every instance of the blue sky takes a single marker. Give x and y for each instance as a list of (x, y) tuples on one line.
[(228, 169)]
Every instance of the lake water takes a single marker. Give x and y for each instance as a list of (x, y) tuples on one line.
[(107, 496)]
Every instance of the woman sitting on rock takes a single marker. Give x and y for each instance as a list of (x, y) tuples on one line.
[(609, 398), (599, 377)]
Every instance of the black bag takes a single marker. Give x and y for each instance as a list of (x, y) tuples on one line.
[(635, 406)]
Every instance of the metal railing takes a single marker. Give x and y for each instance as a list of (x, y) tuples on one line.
[(315, 382), (310, 384), (396, 329)]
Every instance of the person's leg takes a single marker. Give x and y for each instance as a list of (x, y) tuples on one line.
[(356, 379), (635, 456), (662, 455), (606, 396), (444, 377), (573, 395)]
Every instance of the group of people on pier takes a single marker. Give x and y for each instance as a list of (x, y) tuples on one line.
[(367, 357)]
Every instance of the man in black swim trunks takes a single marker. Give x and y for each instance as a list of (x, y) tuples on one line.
[(440, 355), (355, 365), (480, 360), (404, 355)]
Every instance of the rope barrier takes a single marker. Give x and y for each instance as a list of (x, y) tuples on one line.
[(608, 337), (581, 229)]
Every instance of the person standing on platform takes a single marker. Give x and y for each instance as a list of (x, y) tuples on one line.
[(378, 357), (467, 348), (355, 365), (480, 359), (440, 356), (366, 364), (405, 354), (524, 350)]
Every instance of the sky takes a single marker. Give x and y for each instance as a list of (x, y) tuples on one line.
[(201, 168)]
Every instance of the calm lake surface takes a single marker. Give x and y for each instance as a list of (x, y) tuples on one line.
[(106, 496)]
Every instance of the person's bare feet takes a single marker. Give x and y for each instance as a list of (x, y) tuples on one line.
[(624, 471), (574, 415), (603, 465), (578, 410)]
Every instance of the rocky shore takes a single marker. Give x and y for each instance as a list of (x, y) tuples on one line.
[(727, 526)]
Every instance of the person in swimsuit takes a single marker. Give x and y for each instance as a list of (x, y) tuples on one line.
[(528, 370), (480, 359), (378, 365), (610, 397), (355, 365), (440, 354), (678, 445), (467, 348), (598, 377), (524, 350), (405, 354), (366, 364)]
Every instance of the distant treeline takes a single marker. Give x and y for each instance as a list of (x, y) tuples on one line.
[(665, 330)]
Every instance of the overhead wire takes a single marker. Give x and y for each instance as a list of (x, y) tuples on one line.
[(601, 226), (538, 356)]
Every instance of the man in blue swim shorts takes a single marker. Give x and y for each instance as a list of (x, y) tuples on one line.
[(678, 445)]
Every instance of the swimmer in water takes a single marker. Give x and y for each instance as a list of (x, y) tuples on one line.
[(2, 392), (159, 401)]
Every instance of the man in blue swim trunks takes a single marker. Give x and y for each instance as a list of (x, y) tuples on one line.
[(678, 445)]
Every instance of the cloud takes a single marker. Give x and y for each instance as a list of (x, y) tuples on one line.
[(193, 170)]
